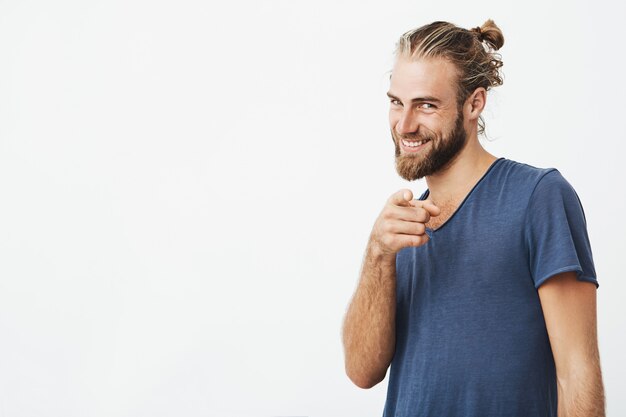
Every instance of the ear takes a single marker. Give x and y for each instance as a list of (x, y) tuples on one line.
[(475, 103)]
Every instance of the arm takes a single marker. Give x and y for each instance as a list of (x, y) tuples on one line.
[(569, 309), (369, 326), (369, 331)]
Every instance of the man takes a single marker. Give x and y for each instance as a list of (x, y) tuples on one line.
[(481, 294)]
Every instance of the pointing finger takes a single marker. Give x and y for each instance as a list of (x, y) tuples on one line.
[(402, 197), (427, 205)]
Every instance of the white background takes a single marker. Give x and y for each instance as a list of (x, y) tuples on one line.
[(186, 190)]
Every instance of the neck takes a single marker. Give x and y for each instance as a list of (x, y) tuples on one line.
[(460, 176)]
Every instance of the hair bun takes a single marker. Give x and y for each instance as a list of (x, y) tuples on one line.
[(489, 32)]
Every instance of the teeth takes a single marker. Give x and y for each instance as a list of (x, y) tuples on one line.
[(412, 144)]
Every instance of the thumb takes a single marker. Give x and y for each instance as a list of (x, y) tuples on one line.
[(408, 195)]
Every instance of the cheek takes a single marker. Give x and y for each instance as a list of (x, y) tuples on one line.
[(443, 127), (393, 119), (431, 130)]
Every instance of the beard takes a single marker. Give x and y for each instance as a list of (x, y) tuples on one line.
[(443, 151)]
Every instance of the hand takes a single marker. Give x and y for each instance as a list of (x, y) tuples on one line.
[(402, 223)]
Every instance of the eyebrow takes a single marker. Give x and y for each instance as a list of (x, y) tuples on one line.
[(417, 99)]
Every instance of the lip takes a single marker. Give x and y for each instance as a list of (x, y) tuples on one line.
[(414, 149)]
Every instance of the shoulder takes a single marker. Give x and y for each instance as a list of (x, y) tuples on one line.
[(529, 187), (553, 186), (522, 171), (552, 195), (522, 179)]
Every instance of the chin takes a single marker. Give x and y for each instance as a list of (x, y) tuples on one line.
[(410, 169)]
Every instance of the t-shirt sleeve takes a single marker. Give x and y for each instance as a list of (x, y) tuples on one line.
[(556, 231)]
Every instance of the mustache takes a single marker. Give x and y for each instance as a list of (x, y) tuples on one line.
[(413, 137)]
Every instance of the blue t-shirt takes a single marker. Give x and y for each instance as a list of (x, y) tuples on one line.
[(471, 339)]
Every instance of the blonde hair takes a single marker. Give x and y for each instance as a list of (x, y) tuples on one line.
[(473, 53)]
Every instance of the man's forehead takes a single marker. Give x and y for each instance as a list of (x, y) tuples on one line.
[(434, 77)]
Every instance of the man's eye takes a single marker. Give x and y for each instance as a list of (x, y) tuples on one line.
[(396, 102), (426, 106)]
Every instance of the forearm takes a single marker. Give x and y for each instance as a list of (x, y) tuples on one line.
[(581, 393), (369, 326)]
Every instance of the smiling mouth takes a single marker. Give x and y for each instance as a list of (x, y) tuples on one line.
[(414, 144)]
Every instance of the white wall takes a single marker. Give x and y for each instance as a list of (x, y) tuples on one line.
[(186, 190)]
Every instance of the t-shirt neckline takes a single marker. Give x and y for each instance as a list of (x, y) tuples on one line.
[(430, 231)]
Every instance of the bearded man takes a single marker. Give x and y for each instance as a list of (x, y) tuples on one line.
[(480, 294)]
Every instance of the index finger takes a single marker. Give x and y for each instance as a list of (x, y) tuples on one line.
[(427, 205), (402, 197)]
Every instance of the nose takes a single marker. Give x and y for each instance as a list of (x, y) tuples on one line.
[(408, 122)]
